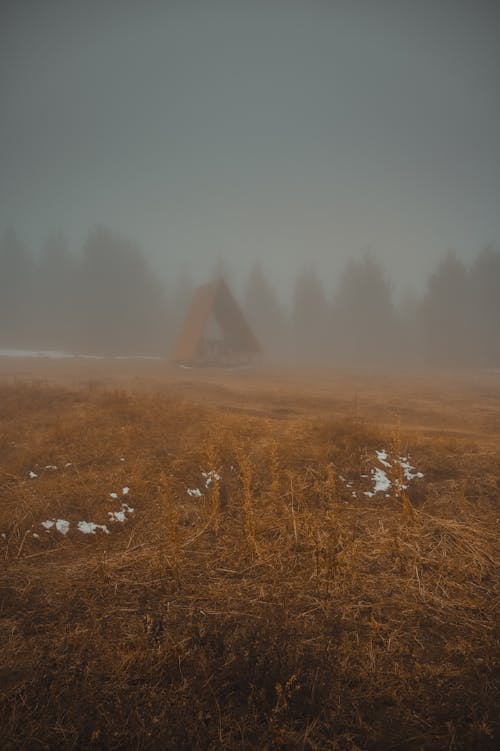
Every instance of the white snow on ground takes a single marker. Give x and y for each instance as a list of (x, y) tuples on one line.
[(32, 475), (89, 528), (125, 490), (52, 354), (382, 457), (61, 525), (210, 476), (60, 355), (117, 516), (408, 469), (137, 357), (120, 516), (381, 482), (51, 467)]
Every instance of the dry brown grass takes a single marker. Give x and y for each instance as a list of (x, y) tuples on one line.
[(277, 610)]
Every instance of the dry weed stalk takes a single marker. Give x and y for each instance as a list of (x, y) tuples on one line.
[(330, 486), (275, 473), (248, 510), (409, 512), (284, 695), (169, 544), (293, 514), (214, 490)]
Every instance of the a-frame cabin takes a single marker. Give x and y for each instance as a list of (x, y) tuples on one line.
[(215, 331)]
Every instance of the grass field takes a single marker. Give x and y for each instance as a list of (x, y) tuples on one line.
[(304, 561)]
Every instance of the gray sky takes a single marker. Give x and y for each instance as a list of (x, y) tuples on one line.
[(282, 131)]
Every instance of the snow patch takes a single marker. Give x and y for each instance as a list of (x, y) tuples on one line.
[(408, 469), (120, 516), (382, 482), (210, 476), (62, 525), (89, 528), (52, 354), (117, 516), (382, 457)]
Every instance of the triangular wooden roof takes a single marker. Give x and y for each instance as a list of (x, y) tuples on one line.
[(214, 298)]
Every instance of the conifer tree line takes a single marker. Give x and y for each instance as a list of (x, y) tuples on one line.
[(107, 300)]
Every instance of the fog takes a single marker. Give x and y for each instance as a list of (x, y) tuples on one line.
[(338, 162)]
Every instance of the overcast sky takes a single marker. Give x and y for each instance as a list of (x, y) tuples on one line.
[(278, 131)]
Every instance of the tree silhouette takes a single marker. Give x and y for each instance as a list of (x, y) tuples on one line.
[(364, 318), (485, 308), (265, 314), (55, 294), (180, 295), (17, 312), (310, 316), (410, 343), (121, 304), (446, 314)]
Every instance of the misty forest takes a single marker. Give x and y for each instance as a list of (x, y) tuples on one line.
[(107, 299)]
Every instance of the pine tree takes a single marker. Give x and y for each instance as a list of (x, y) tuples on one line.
[(121, 303), (55, 294), (17, 311), (364, 317), (485, 308), (265, 314), (310, 317), (446, 314)]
